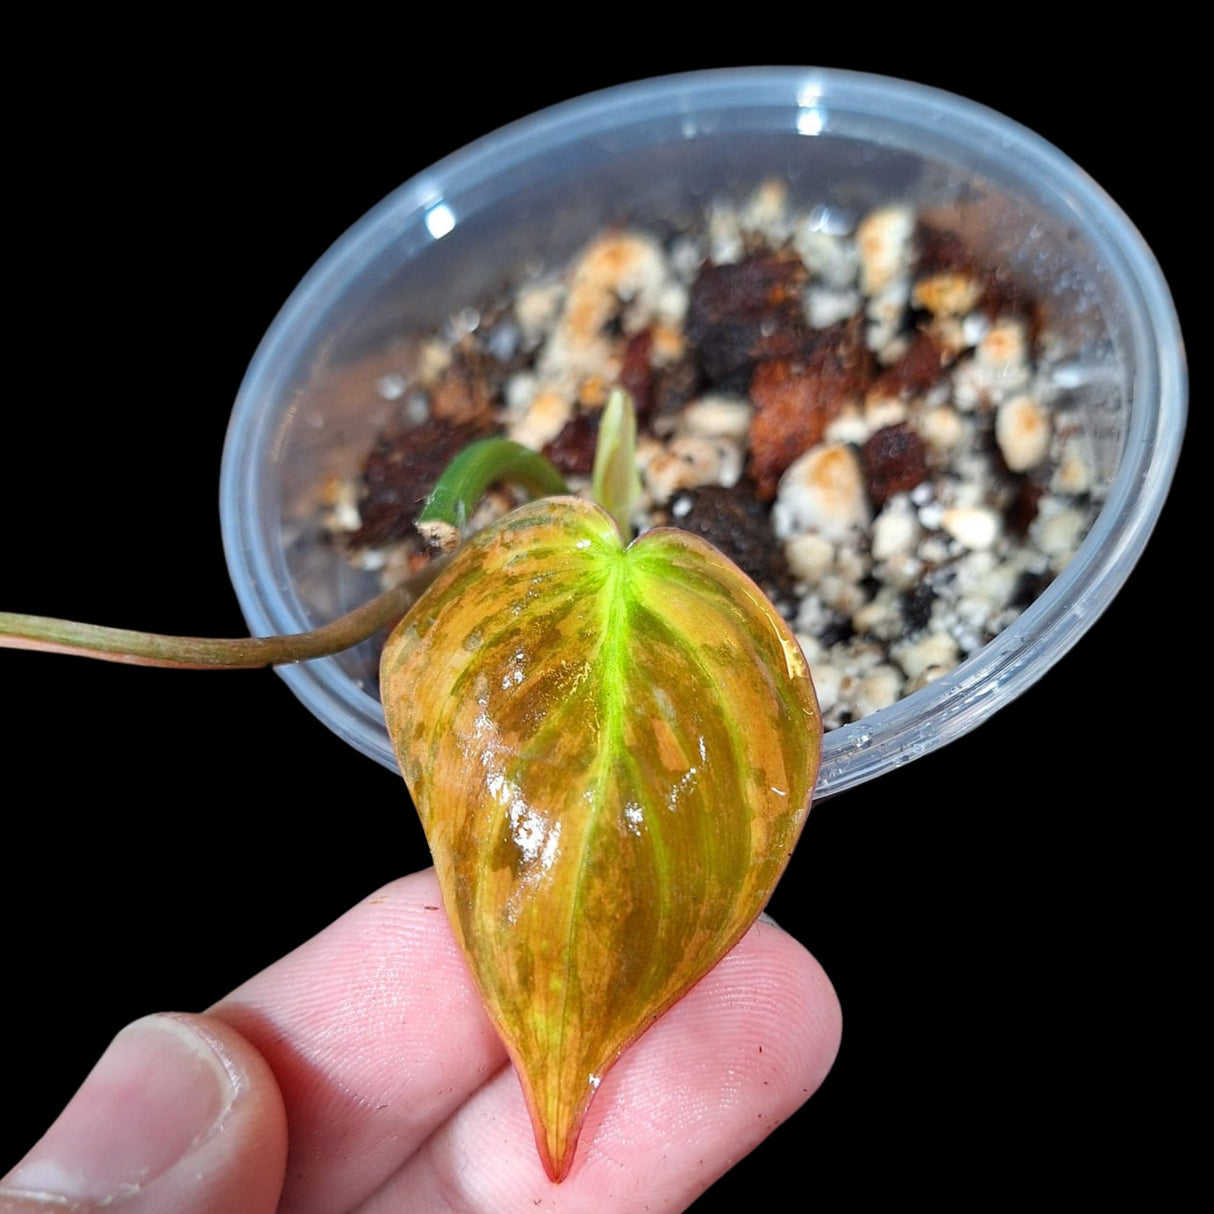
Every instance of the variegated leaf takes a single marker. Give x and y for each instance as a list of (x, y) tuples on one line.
[(612, 750)]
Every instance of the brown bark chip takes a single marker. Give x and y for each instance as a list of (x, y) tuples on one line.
[(795, 400)]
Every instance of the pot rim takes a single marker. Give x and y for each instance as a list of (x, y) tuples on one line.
[(945, 709)]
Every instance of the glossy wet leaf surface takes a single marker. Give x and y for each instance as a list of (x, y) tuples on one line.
[(612, 750)]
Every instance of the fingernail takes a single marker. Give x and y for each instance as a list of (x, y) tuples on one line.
[(159, 1090), (764, 917)]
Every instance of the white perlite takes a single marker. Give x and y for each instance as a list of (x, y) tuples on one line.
[(888, 594)]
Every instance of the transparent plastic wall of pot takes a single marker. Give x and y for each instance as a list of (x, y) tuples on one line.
[(654, 154)]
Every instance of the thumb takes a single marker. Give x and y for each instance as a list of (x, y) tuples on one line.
[(181, 1113)]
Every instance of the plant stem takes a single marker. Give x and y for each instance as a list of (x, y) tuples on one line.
[(445, 515), (470, 473), (205, 653)]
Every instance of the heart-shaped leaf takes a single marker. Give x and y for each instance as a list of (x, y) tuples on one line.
[(612, 750)]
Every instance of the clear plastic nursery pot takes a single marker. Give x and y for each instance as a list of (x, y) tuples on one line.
[(530, 195)]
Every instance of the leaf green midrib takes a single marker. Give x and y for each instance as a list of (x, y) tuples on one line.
[(611, 601)]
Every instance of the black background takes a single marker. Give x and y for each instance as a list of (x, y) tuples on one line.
[(1006, 921)]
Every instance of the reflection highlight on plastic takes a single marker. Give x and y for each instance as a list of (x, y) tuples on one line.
[(440, 219), (810, 118), (810, 121)]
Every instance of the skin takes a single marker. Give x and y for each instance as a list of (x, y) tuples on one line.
[(359, 1073)]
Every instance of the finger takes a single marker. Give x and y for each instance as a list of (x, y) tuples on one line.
[(180, 1113), (376, 1036), (741, 1052)]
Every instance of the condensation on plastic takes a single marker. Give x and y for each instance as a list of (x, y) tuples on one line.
[(530, 194)]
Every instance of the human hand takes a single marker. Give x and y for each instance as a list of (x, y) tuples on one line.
[(360, 1073)]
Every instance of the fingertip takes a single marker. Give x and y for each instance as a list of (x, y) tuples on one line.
[(726, 1065), (180, 1113), (821, 1011), (821, 998)]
